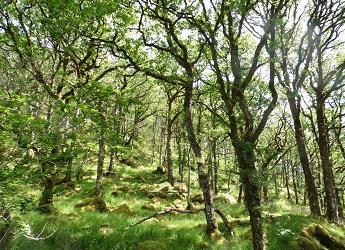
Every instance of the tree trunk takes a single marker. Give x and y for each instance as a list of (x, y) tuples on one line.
[(246, 160), (294, 182), (182, 159), (215, 166), (212, 226), (112, 160), (286, 173), (68, 177), (276, 191), (239, 198), (303, 156), (168, 147), (340, 205), (100, 163), (326, 162), (189, 203), (46, 201)]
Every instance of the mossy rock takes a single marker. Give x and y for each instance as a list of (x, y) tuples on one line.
[(123, 209), (149, 207), (115, 193), (202, 245), (124, 189), (93, 204), (151, 245), (175, 196), (150, 195), (132, 192), (178, 204), (162, 195), (305, 244), (164, 189), (46, 209), (317, 237), (198, 198), (180, 187), (225, 198)]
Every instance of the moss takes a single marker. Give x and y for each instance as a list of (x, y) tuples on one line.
[(317, 237), (93, 204), (151, 245)]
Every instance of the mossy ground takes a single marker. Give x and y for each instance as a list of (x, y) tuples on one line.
[(76, 228)]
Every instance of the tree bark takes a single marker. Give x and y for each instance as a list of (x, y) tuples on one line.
[(100, 163), (203, 177), (303, 156), (326, 162), (294, 181), (168, 146), (112, 161), (46, 200), (246, 159)]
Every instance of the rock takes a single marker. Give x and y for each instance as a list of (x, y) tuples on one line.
[(178, 204), (150, 195), (202, 245), (156, 200), (220, 199), (123, 209), (180, 187), (132, 192), (317, 237), (164, 189), (217, 235), (93, 204), (124, 189), (304, 243), (162, 195), (225, 198), (198, 198), (151, 245), (175, 196), (149, 207)]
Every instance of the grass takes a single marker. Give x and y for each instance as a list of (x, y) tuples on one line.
[(78, 229)]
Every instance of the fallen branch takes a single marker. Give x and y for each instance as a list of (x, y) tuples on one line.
[(167, 192), (186, 211), (38, 237), (225, 220), (166, 211)]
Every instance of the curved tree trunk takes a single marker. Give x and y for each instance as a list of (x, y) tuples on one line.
[(204, 183)]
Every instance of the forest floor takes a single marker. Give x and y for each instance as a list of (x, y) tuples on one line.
[(135, 193)]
